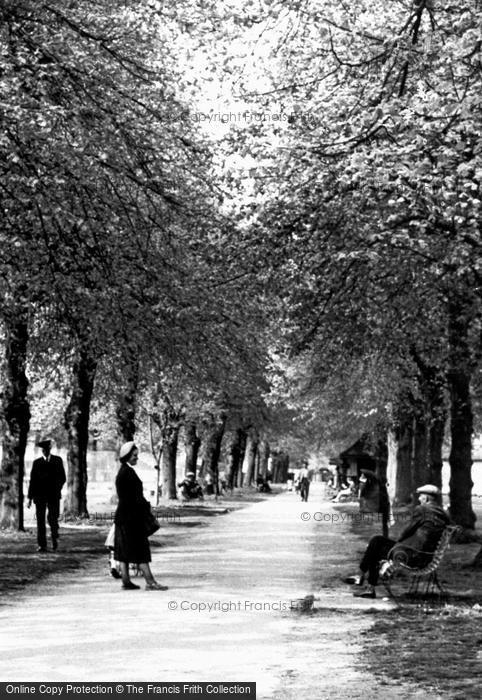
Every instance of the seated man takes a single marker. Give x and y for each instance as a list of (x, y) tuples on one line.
[(262, 484), (422, 533), (190, 488)]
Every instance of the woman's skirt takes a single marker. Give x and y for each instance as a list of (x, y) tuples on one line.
[(131, 544)]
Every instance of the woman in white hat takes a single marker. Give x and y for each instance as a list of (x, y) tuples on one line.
[(131, 545)]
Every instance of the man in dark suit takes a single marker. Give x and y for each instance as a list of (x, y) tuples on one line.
[(421, 537), (46, 480)]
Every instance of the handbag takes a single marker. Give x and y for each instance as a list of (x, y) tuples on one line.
[(110, 539), (150, 522)]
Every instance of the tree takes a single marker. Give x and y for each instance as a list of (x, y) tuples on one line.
[(85, 143), (380, 211)]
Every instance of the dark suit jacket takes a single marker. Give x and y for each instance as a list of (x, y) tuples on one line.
[(424, 530), (46, 479)]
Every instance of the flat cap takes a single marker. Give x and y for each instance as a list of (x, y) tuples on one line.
[(429, 489)]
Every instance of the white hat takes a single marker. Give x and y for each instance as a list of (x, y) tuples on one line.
[(126, 448), (429, 489)]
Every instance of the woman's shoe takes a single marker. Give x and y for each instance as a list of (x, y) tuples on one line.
[(129, 586), (354, 580), (154, 586), (114, 573), (368, 592)]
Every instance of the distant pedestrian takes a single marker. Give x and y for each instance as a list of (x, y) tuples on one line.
[(131, 544), (304, 481), (46, 480), (223, 484), (209, 484)]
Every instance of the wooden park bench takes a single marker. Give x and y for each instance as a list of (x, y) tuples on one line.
[(399, 556)]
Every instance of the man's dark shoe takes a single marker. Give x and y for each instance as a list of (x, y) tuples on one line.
[(114, 573), (130, 586), (41, 549), (365, 593)]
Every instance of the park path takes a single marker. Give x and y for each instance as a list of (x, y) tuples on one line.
[(247, 566)]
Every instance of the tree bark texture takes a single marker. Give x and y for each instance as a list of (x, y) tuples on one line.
[(16, 422), (170, 437), (432, 384), (169, 421), (77, 426), (281, 463), (235, 450), (264, 453), (192, 445), (242, 453), (420, 467), (461, 418), (436, 431), (392, 465), (251, 452), (404, 436), (126, 402), (212, 446)]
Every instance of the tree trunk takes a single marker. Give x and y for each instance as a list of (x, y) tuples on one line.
[(242, 453), (169, 421), (435, 441), (170, 436), (281, 465), (283, 468), (263, 458), (256, 466), (392, 448), (126, 402), (251, 452), (16, 420), (461, 419), (276, 457), (212, 446), (420, 467), (432, 385), (192, 444), (77, 426), (438, 419), (403, 486), (234, 454)]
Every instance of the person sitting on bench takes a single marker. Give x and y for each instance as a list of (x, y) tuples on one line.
[(348, 490), (422, 534), (262, 484), (189, 488)]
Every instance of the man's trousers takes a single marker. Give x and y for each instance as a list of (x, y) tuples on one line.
[(52, 508)]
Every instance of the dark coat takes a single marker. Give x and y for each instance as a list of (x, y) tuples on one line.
[(374, 496), (424, 530), (130, 544), (46, 479)]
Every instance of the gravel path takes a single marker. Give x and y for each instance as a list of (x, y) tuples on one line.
[(226, 615)]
